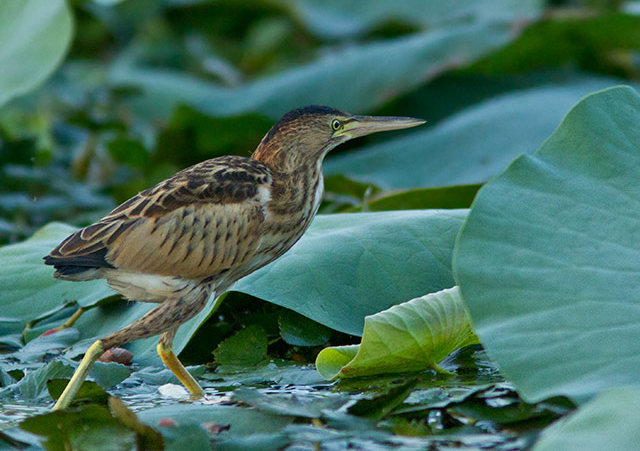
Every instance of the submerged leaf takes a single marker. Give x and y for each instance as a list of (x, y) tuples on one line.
[(379, 406), (298, 405), (412, 336)]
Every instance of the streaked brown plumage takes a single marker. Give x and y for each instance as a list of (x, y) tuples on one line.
[(198, 232)]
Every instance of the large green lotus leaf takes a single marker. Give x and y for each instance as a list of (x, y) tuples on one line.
[(411, 336), (27, 286), (348, 266), (548, 259), (35, 35), (470, 147), (340, 19), (356, 79), (611, 421)]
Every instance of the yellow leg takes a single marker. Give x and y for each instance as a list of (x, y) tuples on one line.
[(93, 353), (165, 352), (72, 320)]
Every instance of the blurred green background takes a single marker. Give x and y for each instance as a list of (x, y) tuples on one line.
[(116, 95)]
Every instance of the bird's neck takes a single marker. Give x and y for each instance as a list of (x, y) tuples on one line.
[(277, 157), (297, 185)]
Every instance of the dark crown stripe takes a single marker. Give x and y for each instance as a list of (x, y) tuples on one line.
[(298, 112)]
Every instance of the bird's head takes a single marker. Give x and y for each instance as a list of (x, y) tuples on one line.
[(305, 135)]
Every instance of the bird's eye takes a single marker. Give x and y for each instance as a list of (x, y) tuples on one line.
[(336, 125)]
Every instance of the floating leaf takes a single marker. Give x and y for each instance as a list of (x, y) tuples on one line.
[(34, 383), (379, 406), (300, 405), (412, 336), (243, 421), (37, 348), (548, 258)]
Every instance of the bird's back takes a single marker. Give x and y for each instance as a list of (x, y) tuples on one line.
[(204, 221)]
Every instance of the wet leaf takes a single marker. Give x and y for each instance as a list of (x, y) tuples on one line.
[(109, 374), (243, 421), (37, 348), (34, 384), (307, 406), (380, 406)]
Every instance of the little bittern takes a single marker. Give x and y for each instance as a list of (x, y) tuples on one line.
[(198, 232)]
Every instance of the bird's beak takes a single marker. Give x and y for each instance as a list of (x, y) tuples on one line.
[(365, 125)]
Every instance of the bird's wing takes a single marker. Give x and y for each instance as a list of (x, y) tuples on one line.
[(202, 221)]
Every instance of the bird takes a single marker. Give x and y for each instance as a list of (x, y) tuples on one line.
[(192, 236)]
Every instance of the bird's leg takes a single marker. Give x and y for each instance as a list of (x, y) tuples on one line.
[(165, 351), (165, 317), (72, 388)]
